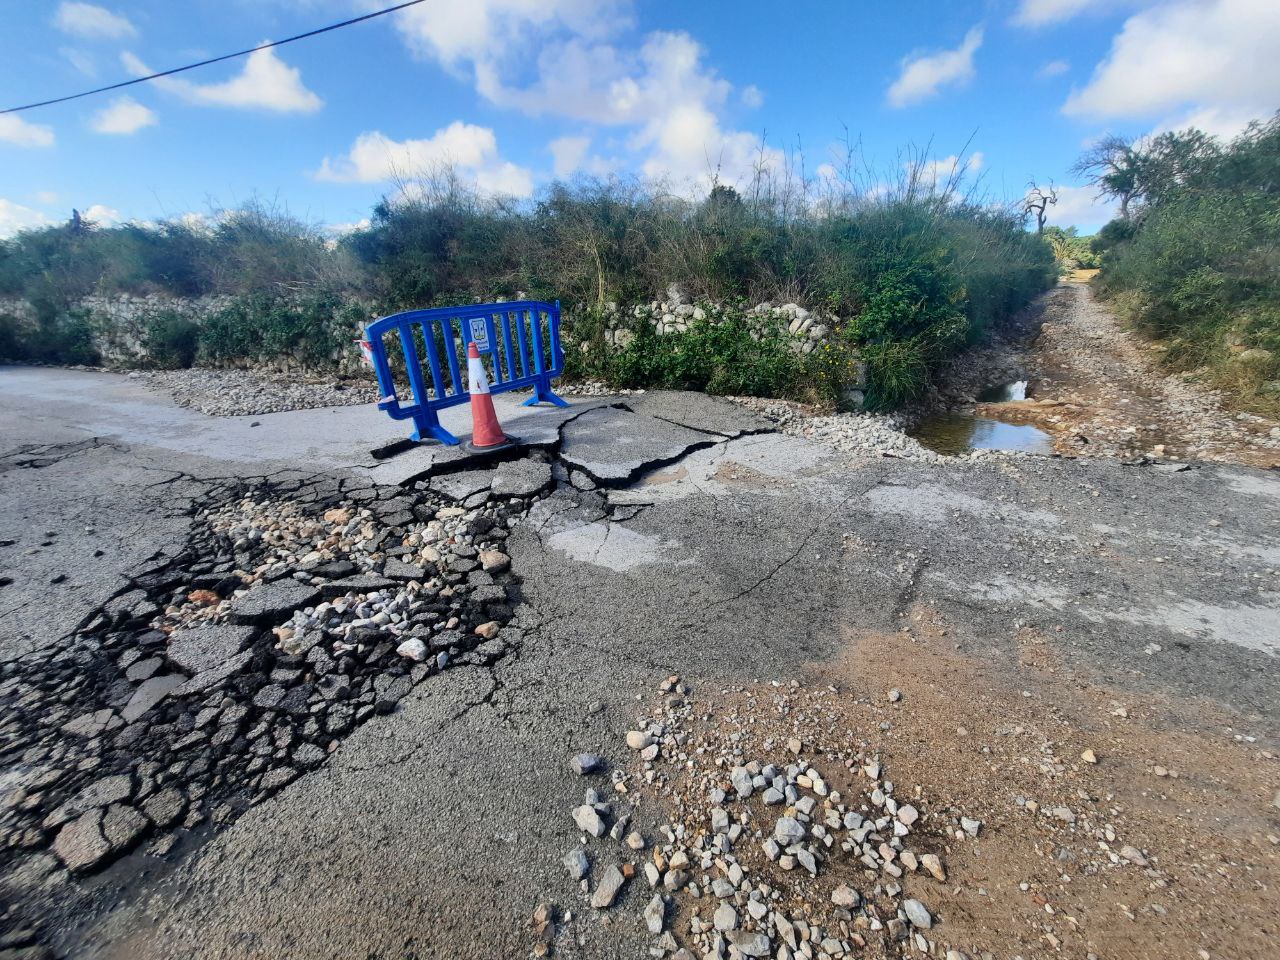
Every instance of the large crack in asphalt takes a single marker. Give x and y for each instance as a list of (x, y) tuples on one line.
[(124, 734), (113, 743)]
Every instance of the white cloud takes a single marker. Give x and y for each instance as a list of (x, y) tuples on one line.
[(1221, 122), (1054, 68), (565, 58), (102, 215), (949, 170), (342, 229), (1038, 13), (47, 197), (265, 83), (15, 217), (15, 130), (489, 30), (923, 76), (505, 179), (752, 96), (375, 157), (1221, 55), (1082, 208), (470, 150), (567, 154), (83, 62), (199, 222), (92, 22), (123, 116)]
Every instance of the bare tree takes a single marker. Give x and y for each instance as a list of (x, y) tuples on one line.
[(1038, 201)]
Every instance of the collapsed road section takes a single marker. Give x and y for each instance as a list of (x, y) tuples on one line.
[(429, 805), (297, 610)]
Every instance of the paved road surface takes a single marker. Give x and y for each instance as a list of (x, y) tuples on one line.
[(744, 555)]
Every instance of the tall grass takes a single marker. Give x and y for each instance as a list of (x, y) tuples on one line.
[(913, 269)]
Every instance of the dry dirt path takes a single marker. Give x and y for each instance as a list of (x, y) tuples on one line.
[(1100, 392)]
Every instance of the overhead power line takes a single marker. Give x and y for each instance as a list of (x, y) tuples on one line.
[(205, 63)]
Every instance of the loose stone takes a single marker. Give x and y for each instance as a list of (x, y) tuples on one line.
[(931, 863), (917, 913), (576, 863), (607, 890), (589, 820), (413, 649), (788, 831), (845, 896), (725, 917), (655, 914)]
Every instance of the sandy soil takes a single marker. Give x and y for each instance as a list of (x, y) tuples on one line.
[(1190, 790)]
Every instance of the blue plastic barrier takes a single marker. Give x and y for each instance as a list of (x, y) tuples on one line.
[(514, 346)]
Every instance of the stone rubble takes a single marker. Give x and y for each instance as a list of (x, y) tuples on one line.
[(241, 393), (863, 433), (758, 853), (298, 610)]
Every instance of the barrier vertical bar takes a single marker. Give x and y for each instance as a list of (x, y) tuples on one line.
[(382, 370), (542, 392), (451, 354), (425, 418), (433, 358), (524, 346), (505, 319), (557, 349), (535, 330)]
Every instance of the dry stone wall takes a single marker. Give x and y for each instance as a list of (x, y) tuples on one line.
[(677, 313), (119, 324)]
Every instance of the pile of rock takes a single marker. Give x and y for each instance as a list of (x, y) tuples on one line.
[(592, 388), (239, 393), (763, 855), (881, 434)]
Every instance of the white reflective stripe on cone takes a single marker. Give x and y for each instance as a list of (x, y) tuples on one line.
[(476, 376)]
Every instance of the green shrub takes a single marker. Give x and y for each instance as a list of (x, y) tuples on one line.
[(896, 372), (1197, 265), (171, 340), (924, 269), (56, 336), (314, 331), (13, 344), (723, 358)]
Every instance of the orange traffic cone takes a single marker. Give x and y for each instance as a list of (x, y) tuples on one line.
[(486, 432)]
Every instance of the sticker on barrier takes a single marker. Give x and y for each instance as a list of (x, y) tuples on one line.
[(520, 344)]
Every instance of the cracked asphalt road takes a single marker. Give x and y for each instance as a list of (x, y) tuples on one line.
[(437, 830)]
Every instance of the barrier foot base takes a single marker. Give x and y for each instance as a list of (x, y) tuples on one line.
[(542, 393), (433, 431)]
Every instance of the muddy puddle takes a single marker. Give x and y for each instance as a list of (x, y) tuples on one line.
[(954, 434)]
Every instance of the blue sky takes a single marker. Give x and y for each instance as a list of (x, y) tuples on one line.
[(513, 93)]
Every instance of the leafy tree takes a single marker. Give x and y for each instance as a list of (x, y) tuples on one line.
[(1113, 165)]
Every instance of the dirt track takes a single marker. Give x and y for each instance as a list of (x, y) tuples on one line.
[(1099, 391)]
